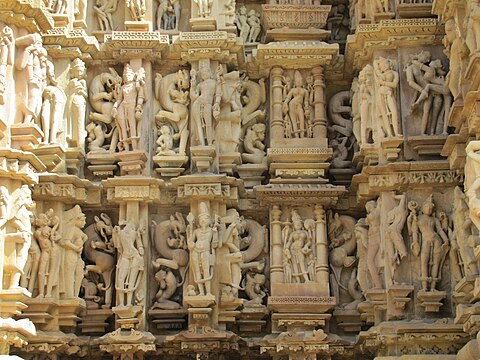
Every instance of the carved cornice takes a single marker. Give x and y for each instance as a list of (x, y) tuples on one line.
[(124, 45), (413, 338), (289, 194), (222, 188), (296, 54), (403, 175), (389, 34), (69, 189), (20, 165), (122, 189), (29, 14), (61, 42), (215, 45)]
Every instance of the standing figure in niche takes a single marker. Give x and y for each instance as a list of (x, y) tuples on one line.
[(129, 244), (33, 61), (7, 52), (72, 243), (204, 7), (53, 107), (387, 81), (128, 108), (241, 20), (365, 80), (434, 244), (297, 248), (202, 242), (297, 105), (457, 52), (19, 216), (374, 209), (255, 27), (463, 233), (396, 220), (202, 95), (77, 103)]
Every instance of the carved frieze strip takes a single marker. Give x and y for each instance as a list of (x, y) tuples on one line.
[(417, 178), (20, 165), (65, 39), (295, 16), (133, 189), (414, 336), (389, 34), (30, 14), (66, 188), (296, 54), (403, 175), (318, 194), (127, 348)]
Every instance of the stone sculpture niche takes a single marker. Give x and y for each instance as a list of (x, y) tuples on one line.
[(15, 218), (168, 14), (343, 247), (341, 134), (103, 10), (298, 97), (73, 238), (427, 77), (386, 83), (7, 51), (429, 241), (99, 252), (171, 265), (128, 108), (248, 25), (102, 130), (172, 93), (128, 240), (298, 255), (76, 103), (32, 62)]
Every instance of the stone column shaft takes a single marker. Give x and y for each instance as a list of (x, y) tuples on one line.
[(320, 118), (277, 248), (321, 247), (276, 117)]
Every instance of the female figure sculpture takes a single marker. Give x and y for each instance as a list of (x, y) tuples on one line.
[(387, 81), (77, 102), (297, 106), (72, 243)]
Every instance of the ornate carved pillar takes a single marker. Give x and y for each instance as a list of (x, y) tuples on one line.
[(320, 106), (276, 268), (321, 246), (276, 100)]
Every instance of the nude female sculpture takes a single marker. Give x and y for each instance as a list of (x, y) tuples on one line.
[(297, 105), (72, 242), (33, 61), (387, 81)]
